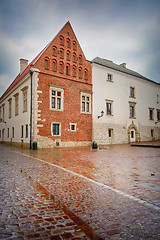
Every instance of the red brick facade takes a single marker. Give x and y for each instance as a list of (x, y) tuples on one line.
[(64, 83)]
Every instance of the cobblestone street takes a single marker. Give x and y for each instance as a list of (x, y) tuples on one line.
[(112, 193)]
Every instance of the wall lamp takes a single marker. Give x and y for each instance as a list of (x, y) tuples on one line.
[(102, 113)]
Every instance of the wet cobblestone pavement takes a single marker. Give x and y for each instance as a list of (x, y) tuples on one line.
[(26, 213), (115, 191)]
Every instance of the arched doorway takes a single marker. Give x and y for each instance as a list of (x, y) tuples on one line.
[(133, 135)]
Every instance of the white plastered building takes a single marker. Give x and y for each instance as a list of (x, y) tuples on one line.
[(126, 105)]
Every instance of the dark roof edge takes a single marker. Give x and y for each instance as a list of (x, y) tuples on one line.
[(140, 76)]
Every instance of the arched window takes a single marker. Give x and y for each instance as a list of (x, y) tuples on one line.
[(80, 59), (80, 72), (67, 69), (46, 63), (68, 43), (54, 65), (61, 40), (61, 53), (74, 71), (85, 74), (68, 55), (61, 67), (54, 51), (74, 45), (74, 57)]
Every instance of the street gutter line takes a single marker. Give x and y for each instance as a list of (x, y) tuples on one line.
[(143, 202)]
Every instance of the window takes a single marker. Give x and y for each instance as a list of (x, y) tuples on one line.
[(56, 102), (74, 45), (54, 51), (85, 74), (25, 90), (21, 131), (109, 77), (68, 69), (110, 132), (85, 103), (10, 107), (61, 67), (56, 129), (8, 133), (73, 127), (46, 63), (151, 113), (132, 92), (3, 113), (61, 53), (12, 132), (157, 98), (74, 57), (68, 43), (74, 71), (80, 73), (68, 56), (61, 40), (16, 103), (54, 66), (80, 59), (109, 107), (132, 112), (26, 131), (152, 133), (158, 115)]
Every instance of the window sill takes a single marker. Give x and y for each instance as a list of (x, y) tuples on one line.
[(56, 110)]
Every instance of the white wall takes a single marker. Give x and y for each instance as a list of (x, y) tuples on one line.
[(119, 90)]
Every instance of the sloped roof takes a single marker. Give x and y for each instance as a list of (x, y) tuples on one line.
[(114, 66), (20, 76)]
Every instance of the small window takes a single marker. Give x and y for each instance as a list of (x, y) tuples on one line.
[(74, 45), (12, 132), (25, 92), (74, 57), (68, 43), (152, 133), (46, 64), (56, 129), (85, 74), (132, 92), (151, 114), (10, 107), (109, 107), (61, 67), (157, 98), (8, 133), (80, 59), (22, 131), (158, 115), (54, 66), (74, 71), (61, 53), (54, 51), (68, 56), (110, 133), (109, 77), (73, 127), (16, 103), (26, 130), (61, 40), (67, 70), (132, 112), (80, 73)]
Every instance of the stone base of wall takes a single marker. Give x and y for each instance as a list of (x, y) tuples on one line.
[(17, 144), (45, 142), (121, 134)]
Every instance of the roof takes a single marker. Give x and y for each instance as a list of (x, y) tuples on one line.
[(120, 68)]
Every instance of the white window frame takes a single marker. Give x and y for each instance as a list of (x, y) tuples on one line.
[(55, 135), (75, 125), (109, 102), (85, 101), (56, 89)]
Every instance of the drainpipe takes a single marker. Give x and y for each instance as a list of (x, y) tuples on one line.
[(31, 73)]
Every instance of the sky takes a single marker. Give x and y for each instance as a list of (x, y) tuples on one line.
[(118, 30)]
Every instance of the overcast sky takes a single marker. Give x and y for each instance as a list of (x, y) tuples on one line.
[(118, 30)]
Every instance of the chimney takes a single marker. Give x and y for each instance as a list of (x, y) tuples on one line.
[(23, 65), (123, 65)]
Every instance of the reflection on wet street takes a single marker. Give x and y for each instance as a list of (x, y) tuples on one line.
[(115, 190)]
